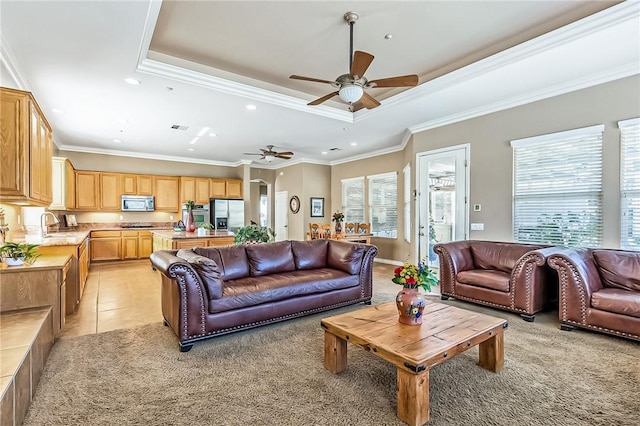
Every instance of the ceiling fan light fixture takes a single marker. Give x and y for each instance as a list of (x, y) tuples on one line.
[(269, 157), (351, 92)]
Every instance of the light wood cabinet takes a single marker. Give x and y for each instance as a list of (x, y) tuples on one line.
[(218, 188), (129, 245), (165, 243), (110, 191), (63, 185), (83, 267), (145, 244), (105, 245), (25, 150), (87, 190), (234, 188), (187, 188), (145, 185), (167, 193), (70, 185), (132, 184)]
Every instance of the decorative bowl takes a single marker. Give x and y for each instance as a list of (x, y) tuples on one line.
[(179, 228)]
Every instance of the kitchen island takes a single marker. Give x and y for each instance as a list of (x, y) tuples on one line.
[(166, 239)]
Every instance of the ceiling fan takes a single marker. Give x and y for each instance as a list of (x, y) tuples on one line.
[(269, 154), (351, 86)]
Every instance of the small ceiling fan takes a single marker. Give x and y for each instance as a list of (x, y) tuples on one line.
[(269, 154), (351, 86)]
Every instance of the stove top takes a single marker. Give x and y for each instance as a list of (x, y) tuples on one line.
[(135, 226)]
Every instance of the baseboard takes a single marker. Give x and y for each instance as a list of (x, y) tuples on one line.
[(388, 261)]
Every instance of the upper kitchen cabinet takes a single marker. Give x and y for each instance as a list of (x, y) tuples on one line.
[(87, 190), (167, 193), (234, 188), (218, 188), (63, 185), (26, 145), (137, 184), (194, 188), (110, 191)]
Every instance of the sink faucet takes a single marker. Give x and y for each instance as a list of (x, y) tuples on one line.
[(43, 223)]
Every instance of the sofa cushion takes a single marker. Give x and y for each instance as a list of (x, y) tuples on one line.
[(233, 260), (499, 256), (207, 269), (619, 269), (270, 258), (310, 254), (253, 291), (615, 300), (487, 278), (344, 256)]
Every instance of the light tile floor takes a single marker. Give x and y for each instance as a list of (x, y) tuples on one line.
[(127, 294)]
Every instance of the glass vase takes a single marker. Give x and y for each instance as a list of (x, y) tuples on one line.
[(191, 223)]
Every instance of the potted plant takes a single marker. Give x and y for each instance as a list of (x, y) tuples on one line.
[(338, 217), (205, 228), (254, 234), (16, 254), (409, 301)]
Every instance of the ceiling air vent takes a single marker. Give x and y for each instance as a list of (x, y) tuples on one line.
[(335, 149), (179, 127)]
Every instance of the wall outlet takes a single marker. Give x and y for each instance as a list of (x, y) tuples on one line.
[(477, 226), (170, 217), (121, 217), (477, 207)]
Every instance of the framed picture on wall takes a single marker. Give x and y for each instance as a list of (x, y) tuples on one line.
[(317, 207)]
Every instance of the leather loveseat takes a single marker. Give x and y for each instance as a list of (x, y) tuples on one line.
[(212, 291), (508, 276), (599, 290)]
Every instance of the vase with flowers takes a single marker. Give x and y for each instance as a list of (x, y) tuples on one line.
[(338, 218), (409, 301)]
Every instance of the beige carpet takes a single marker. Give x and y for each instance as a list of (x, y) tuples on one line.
[(274, 376)]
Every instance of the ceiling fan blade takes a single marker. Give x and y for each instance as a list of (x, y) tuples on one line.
[(356, 106), (284, 157), (401, 81), (285, 153), (322, 99), (369, 101), (361, 61), (317, 80), (250, 153)]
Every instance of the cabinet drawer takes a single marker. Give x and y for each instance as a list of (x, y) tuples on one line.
[(105, 234), (130, 234)]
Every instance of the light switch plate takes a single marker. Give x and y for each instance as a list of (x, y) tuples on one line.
[(477, 226), (477, 207)]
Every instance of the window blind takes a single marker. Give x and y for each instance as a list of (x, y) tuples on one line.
[(558, 188), (407, 202), (353, 199), (383, 207), (630, 184)]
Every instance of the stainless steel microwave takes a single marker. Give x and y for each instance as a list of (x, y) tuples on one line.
[(137, 203)]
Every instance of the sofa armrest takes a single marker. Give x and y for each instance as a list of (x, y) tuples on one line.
[(533, 284), (184, 297), (454, 257), (365, 277), (579, 279)]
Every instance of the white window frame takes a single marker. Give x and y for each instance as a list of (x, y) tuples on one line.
[(407, 202), (390, 233), (345, 206), (559, 202), (630, 184)]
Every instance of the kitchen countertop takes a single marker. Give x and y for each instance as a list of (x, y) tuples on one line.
[(42, 263), (72, 238), (167, 233)]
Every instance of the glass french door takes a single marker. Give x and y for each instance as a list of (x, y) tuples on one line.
[(442, 199)]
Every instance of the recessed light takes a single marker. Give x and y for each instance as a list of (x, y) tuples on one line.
[(213, 135), (194, 140), (117, 141), (388, 36), (58, 111), (251, 107), (354, 143), (190, 149), (132, 81), (324, 153)]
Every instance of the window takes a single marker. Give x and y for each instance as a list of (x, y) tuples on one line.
[(407, 202), (558, 188), (353, 199), (383, 207), (630, 184)]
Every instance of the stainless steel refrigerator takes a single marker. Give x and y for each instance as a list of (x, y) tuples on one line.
[(227, 215)]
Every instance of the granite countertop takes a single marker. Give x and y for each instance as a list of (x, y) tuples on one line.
[(72, 238), (167, 233), (42, 263)]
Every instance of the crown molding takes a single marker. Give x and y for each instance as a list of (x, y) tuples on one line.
[(149, 156), (11, 64)]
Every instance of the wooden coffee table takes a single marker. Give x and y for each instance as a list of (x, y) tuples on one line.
[(445, 332)]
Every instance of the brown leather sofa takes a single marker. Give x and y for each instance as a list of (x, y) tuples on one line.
[(599, 290), (509, 276), (211, 291)]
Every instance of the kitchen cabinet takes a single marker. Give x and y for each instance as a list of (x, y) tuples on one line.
[(83, 267), (105, 245), (145, 244), (70, 185), (26, 145), (87, 190), (110, 191), (194, 188), (129, 245), (161, 242), (218, 188), (167, 193), (63, 184), (234, 188), (132, 184)]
